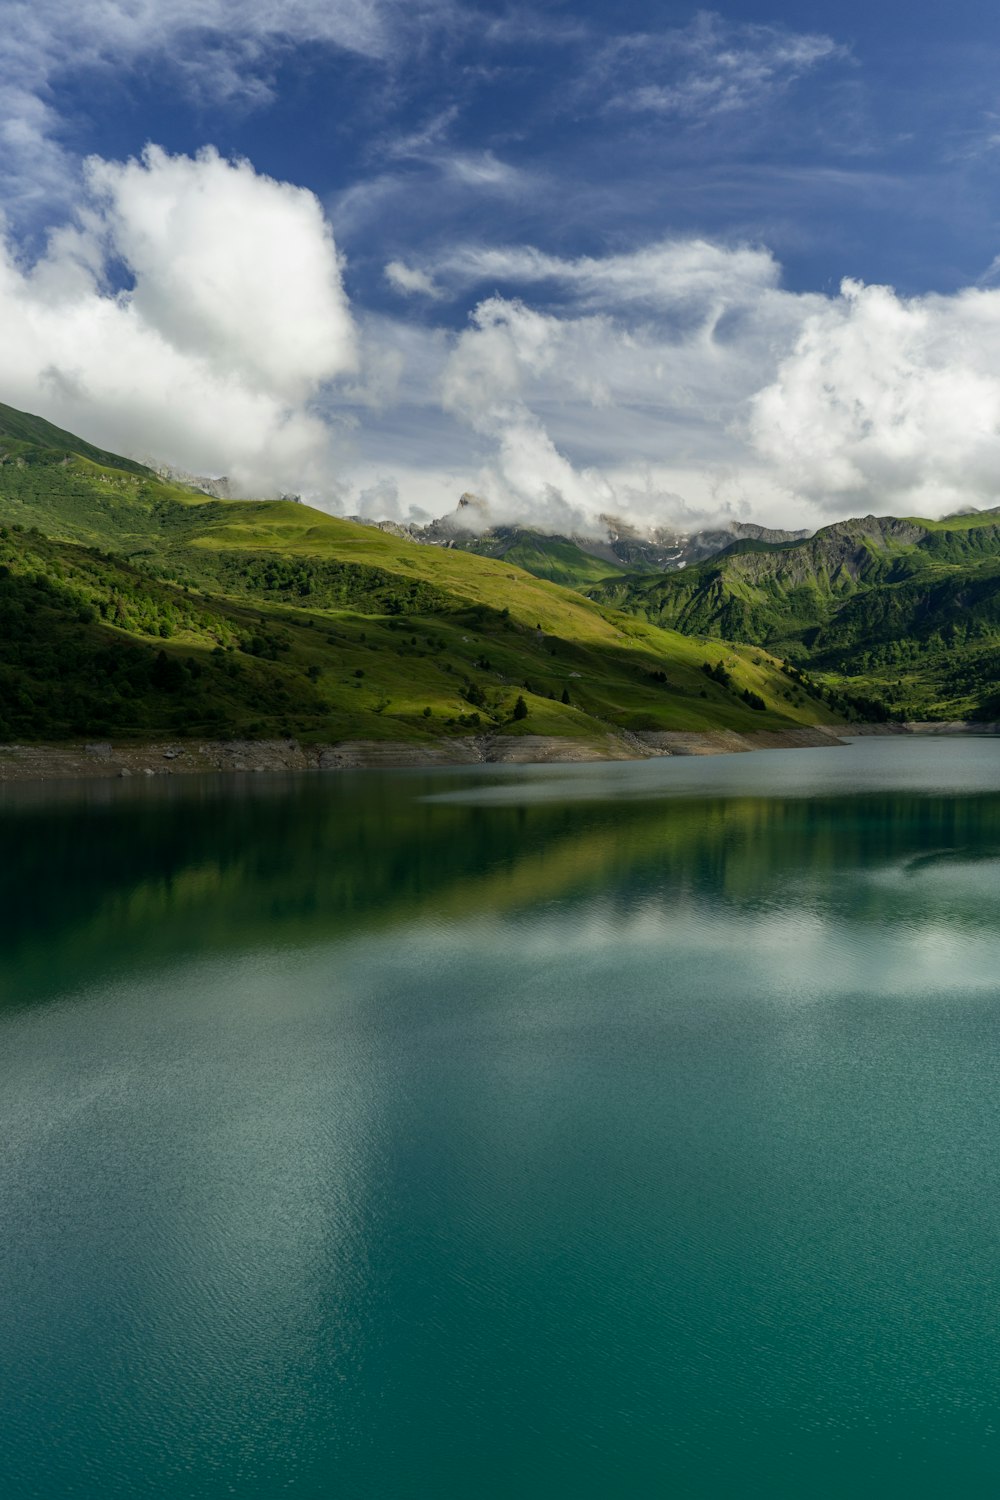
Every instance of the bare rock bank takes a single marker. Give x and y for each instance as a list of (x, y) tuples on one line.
[(125, 758), (925, 726), (730, 742)]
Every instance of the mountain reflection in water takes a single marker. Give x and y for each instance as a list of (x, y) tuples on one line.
[(625, 1130)]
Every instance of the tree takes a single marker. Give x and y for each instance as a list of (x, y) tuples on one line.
[(520, 709), (717, 673), (565, 696), (167, 674)]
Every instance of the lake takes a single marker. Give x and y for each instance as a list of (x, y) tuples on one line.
[(623, 1130)]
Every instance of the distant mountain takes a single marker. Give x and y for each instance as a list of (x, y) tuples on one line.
[(580, 559), (903, 609), (661, 549), (219, 488)]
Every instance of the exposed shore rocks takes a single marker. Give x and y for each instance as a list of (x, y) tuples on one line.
[(126, 758), (185, 757)]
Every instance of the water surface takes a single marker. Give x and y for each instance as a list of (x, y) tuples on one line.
[(623, 1130)]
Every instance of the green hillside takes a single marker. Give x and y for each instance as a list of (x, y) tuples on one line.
[(556, 558), (40, 438), (130, 606), (75, 492), (903, 610)]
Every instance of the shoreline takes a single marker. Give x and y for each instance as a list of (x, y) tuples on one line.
[(105, 759), (78, 760), (126, 759)]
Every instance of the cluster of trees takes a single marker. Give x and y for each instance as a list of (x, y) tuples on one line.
[(64, 672), (100, 586), (717, 673), (268, 644), (474, 695), (59, 675)]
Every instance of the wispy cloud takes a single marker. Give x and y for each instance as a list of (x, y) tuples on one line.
[(410, 280), (977, 142), (483, 169), (427, 140), (215, 50), (665, 276), (520, 24), (709, 68), (432, 144)]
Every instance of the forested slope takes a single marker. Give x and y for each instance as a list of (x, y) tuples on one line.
[(903, 610)]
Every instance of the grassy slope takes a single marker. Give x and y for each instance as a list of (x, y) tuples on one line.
[(243, 617), (548, 635), (906, 610), (555, 558), (20, 427), (77, 499)]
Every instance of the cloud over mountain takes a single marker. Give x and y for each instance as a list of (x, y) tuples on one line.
[(624, 393), (194, 310)]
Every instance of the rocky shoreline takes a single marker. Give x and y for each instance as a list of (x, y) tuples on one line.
[(126, 758)]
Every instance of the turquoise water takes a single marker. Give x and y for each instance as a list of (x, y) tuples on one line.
[(603, 1131)]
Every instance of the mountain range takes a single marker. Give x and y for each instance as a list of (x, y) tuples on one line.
[(902, 610), (615, 546), (903, 613), (136, 603)]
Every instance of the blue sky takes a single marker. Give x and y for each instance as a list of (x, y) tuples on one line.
[(652, 260)]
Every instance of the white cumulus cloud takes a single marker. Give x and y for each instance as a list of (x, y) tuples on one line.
[(235, 316), (229, 266), (889, 402), (625, 395)]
